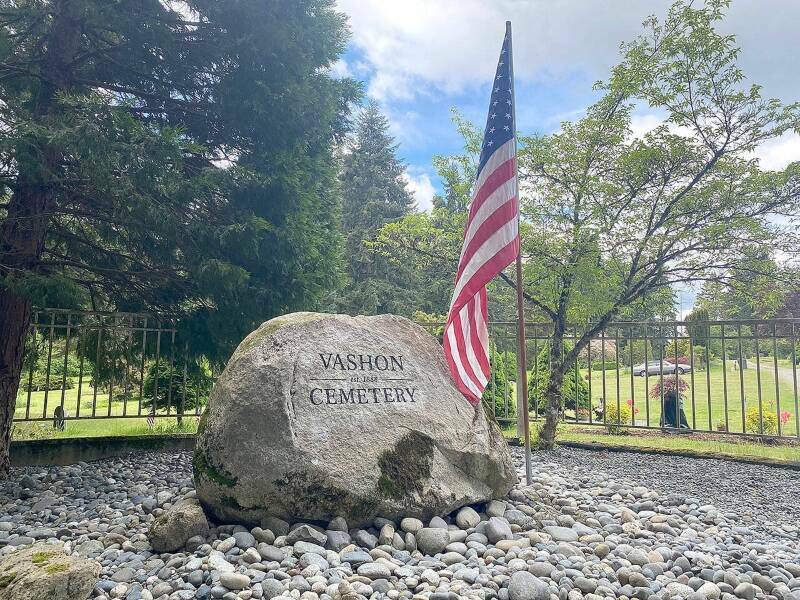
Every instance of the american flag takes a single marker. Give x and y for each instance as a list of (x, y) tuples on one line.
[(491, 239)]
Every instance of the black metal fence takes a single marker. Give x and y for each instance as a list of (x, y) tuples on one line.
[(92, 365), (734, 377)]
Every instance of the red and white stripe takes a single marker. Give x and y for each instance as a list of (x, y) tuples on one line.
[(491, 243)]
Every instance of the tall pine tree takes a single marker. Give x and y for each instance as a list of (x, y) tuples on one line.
[(174, 157), (374, 193)]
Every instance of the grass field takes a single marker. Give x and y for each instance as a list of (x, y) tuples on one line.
[(715, 396), (103, 427), (695, 443), (91, 403)]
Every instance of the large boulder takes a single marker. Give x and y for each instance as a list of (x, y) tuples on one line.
[(45, 571), (320, 415)]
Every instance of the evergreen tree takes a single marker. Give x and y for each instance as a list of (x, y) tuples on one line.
[(374, 193), (574, 388), (173, 157), (499, 391)]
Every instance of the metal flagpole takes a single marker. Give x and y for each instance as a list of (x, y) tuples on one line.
[(522, 377)]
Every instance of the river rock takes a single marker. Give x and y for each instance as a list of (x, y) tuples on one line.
[(307, 394), (432, 540), (524, 586), (45, 571), (177, 525)]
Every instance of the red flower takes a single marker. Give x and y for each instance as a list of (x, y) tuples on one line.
[(785, 416)]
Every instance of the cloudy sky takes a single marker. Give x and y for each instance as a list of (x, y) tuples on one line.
[(420, 58)]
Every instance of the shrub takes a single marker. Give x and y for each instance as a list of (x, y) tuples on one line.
[(39, 382), (699, 353), (598, 349), (198, 386), (754, 421), (682, 347), (617, 418), (682, 360), (636, 351), (609, 365), (431, 322), (574, 389), (503, 366)]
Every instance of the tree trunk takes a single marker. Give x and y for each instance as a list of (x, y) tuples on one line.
[(15, 313), (22, 231), (552, 411), (21, 243)]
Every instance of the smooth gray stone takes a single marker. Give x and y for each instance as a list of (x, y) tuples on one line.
[(498, 529), (356, 557), (562, 534), (525, 586), (432, 540)]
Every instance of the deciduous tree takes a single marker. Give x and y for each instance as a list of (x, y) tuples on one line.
[(615, 216), (612, 221)]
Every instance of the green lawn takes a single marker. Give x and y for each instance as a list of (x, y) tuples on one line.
[(89, 404), (696, 443), (741, 448), (716, 392), (104, 427)]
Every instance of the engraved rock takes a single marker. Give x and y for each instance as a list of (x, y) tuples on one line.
[(318, 416)]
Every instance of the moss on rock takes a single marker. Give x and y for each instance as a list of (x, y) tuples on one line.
[(7, 580), (57, 568), (270, 327), (41, 557), (407, 467), (203, 468), (307, 490), (201, 425)]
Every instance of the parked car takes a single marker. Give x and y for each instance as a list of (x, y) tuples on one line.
[(654, 367)]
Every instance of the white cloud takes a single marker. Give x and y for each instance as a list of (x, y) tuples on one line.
[(424, 46), (776, 154), (452, 44), (421, 186), (417, 39), (642, 124), (773, 155), (404, 127), (340, 69)]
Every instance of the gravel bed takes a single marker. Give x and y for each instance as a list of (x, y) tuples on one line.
[(591, 525), (763, 496)]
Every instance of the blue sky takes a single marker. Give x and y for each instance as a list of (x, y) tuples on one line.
[(419, 58), (423, 127)]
